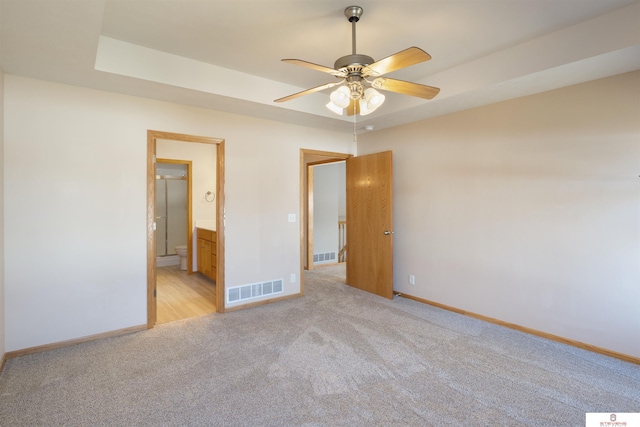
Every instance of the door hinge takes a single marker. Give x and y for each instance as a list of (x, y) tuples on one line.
[(154, 293), (154, 158)]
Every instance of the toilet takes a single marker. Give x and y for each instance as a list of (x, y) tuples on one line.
[(181, 250)]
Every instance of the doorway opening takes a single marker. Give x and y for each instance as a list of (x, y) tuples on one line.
[(309, 159), (183, 280), (180, 294), (327, 241)]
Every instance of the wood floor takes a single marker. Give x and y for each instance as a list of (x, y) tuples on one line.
[(181, 296)]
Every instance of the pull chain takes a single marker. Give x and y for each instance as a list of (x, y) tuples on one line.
[(355, 134)]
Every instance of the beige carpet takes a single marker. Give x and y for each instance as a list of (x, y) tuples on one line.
[(337, 357)]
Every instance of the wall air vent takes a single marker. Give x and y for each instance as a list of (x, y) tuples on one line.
[(254, 290), (324, 258)]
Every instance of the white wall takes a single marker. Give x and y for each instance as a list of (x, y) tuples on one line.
[(203, 179), (328, 190), (527, 211), (342, 191), (2, 243), (77, 230)]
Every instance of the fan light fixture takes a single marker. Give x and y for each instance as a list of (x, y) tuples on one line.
[(360, 74), (339, 100), (369, 100)]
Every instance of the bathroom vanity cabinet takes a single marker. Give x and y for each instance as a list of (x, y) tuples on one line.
[(207, 253)]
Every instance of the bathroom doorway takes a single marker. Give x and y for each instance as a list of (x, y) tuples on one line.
[(179, 293), (188, 292)]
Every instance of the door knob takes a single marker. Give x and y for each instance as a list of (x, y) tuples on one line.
[(386, 233)]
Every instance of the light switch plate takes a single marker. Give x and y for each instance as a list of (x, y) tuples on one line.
[(292, 217)]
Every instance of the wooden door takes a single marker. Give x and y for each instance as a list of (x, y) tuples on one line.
[(369, 223)]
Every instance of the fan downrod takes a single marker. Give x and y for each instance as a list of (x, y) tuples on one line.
[(353, 63)]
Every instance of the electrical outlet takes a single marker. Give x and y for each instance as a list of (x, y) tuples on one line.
[(293, 277), (412, 279), (292, 217)]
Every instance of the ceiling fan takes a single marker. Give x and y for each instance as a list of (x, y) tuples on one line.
[(359, 76)]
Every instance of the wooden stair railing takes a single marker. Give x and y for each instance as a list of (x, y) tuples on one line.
[(342, 236)]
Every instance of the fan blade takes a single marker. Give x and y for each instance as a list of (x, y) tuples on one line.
[(315, 67), (306, 92), (405, 58), (406, 88), (353, 108)]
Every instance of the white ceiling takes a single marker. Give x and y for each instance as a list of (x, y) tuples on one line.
[(225, 55)]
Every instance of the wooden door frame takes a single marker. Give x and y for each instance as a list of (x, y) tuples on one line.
[(309, 158), (152, 137), (188, 163)]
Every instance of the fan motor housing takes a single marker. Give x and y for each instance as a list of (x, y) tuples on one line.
[(353, 60)]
